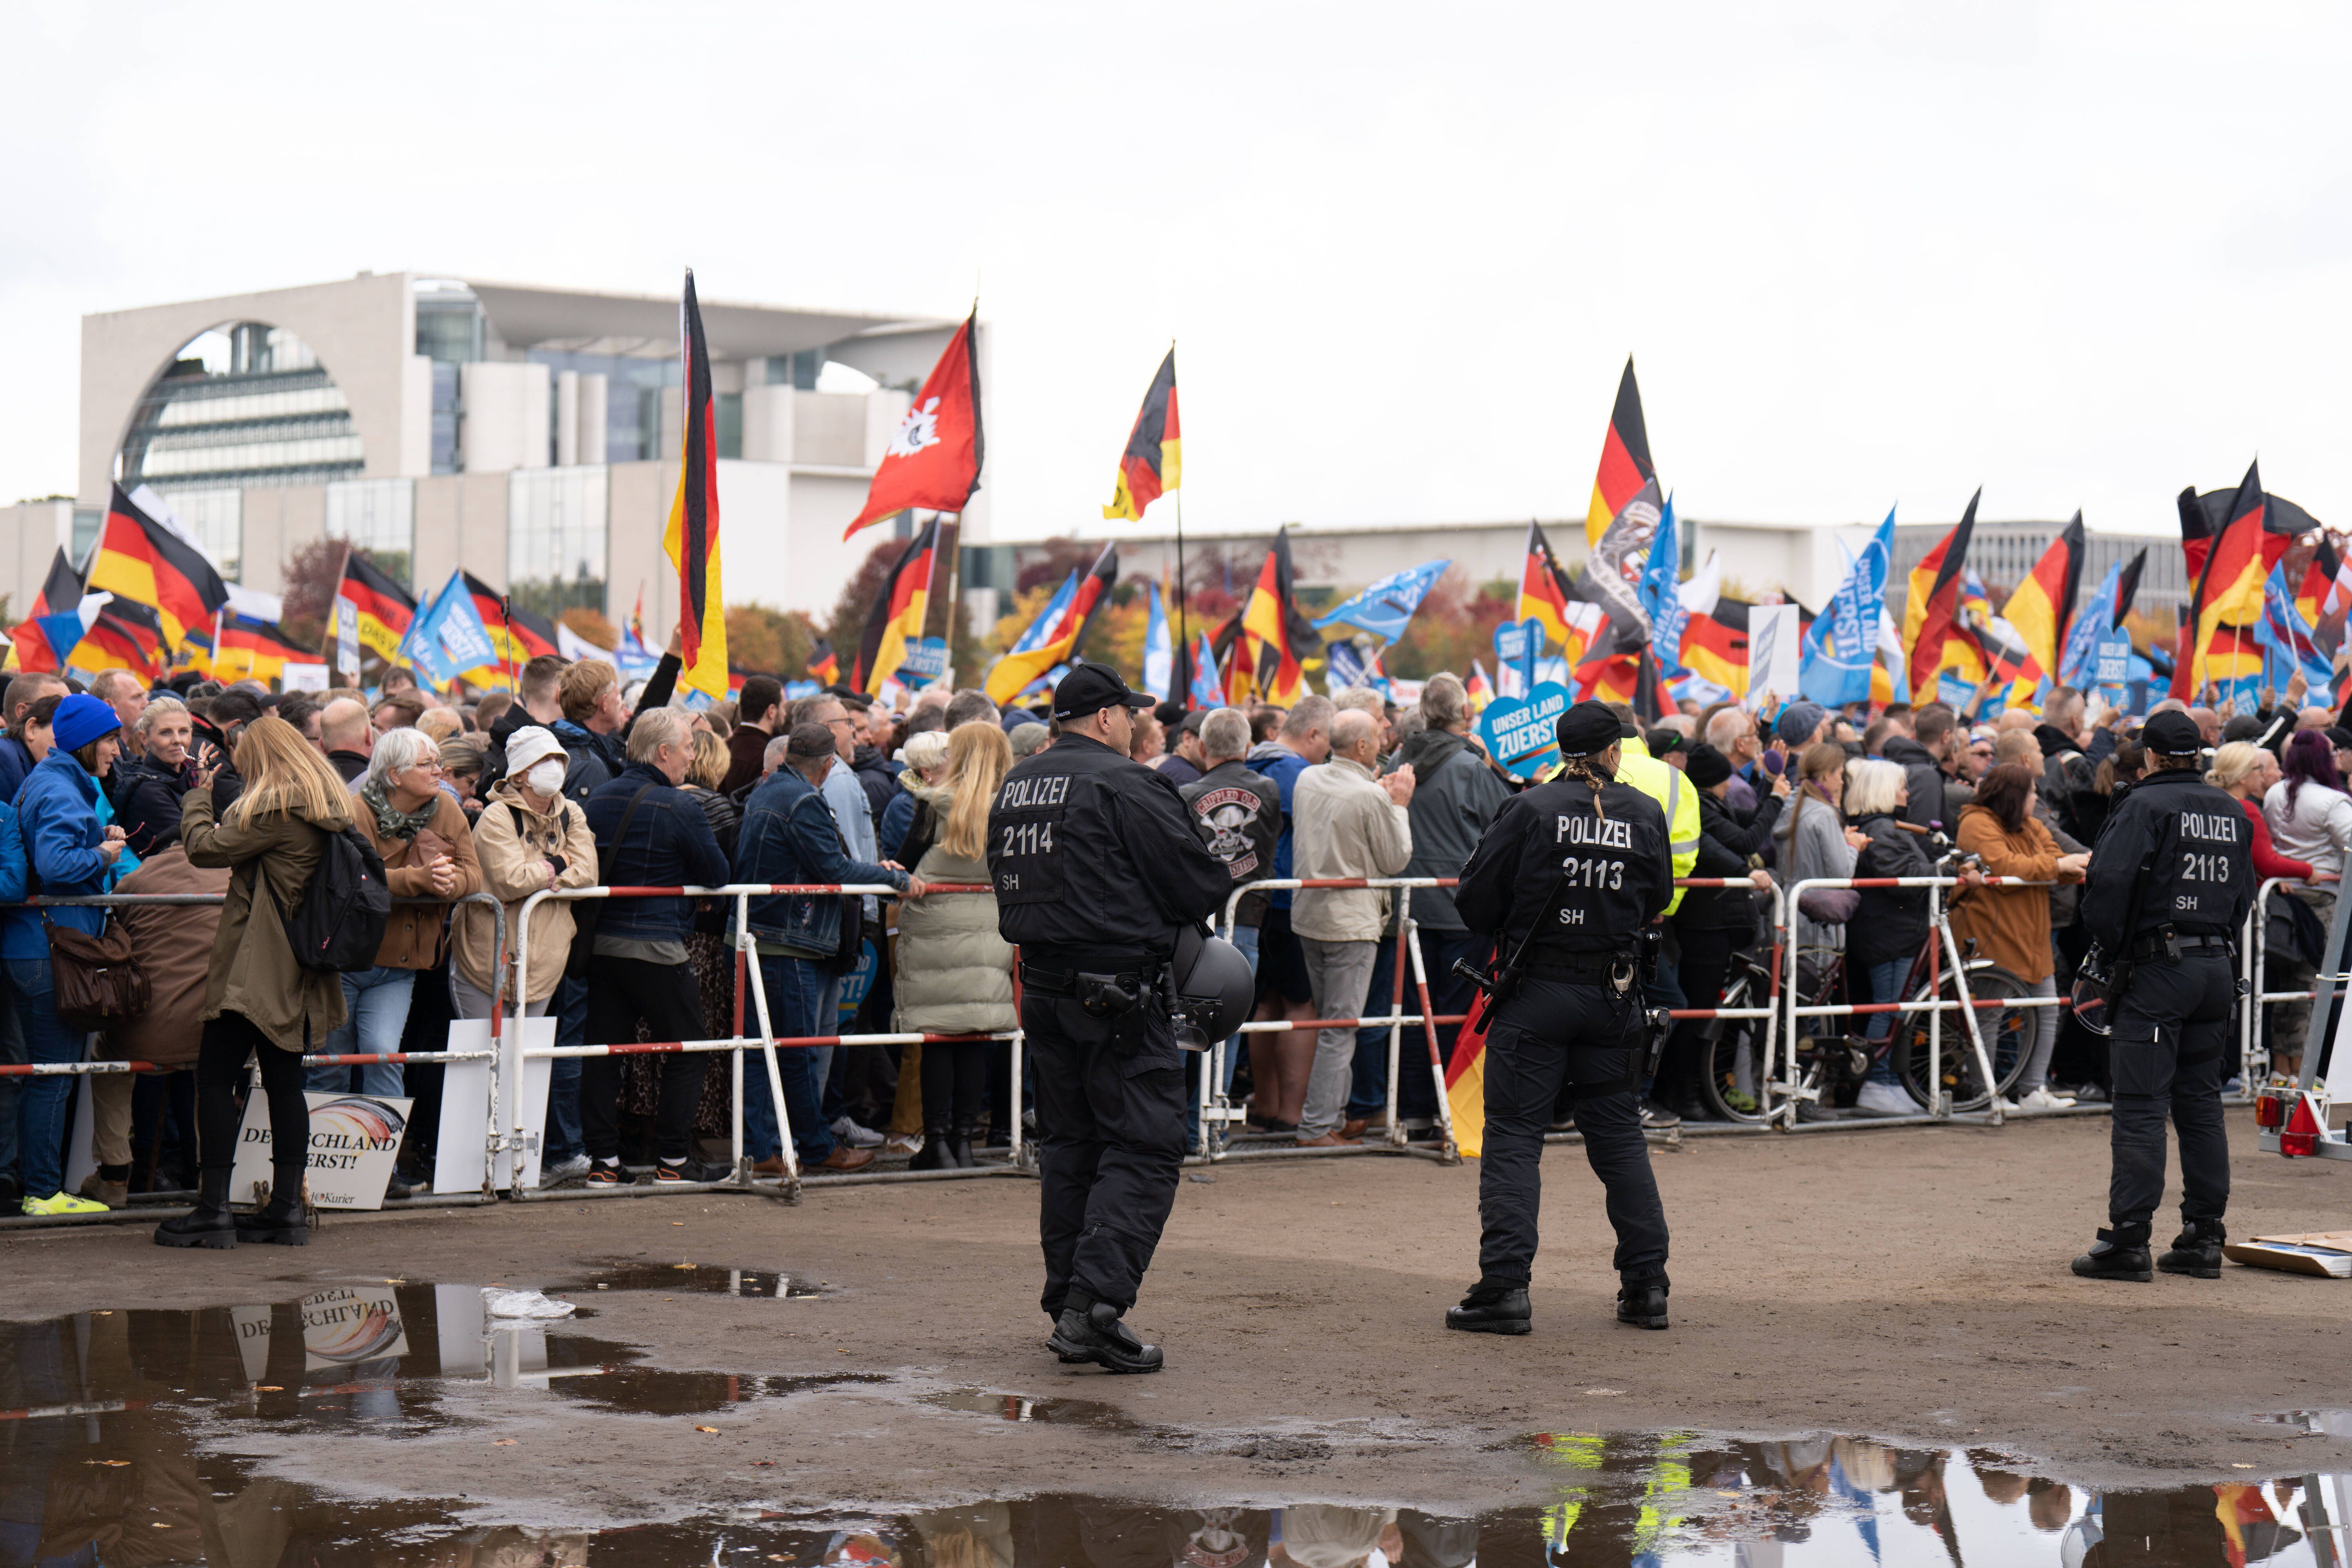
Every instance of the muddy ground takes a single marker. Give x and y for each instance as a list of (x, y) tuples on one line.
[(1904, 1284)]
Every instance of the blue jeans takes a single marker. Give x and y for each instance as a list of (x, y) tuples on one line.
[(1885, 980), (12, 1054), (376, 1007), (41, 1103), (562, 1137), (798, 989)]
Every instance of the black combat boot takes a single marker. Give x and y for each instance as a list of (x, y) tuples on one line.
[(1096, 1334), (2118, 1254), (1642, 1302), (959, 1145), (280, 1221), (2197, 1251), (1492, 1310), (933, 1156), (209, 1224)]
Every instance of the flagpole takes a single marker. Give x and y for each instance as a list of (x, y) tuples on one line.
[(955, 590), (1182, 621)]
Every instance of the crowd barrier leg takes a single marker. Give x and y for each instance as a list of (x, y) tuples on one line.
[(1396, 1012), (1447, 1153), (749, 949), (1938, 1102), (1024, 1157)]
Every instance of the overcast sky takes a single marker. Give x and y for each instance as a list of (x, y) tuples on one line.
[(1863, 255)]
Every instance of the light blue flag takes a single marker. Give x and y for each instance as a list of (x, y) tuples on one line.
[(448, 639), (1385, 609), (2094, 619), (1158, 652), (2287, 637), (1042, 626), (1835, 668), (1662, 600)]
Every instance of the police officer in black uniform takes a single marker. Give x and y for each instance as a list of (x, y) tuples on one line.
[(2168, 886), (1564, 882), (1097, 867)]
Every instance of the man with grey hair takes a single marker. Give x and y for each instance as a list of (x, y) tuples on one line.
[(1238, 811), (1303, 740), (968, 706), (1732, 732), (1348, 824), (1363, 699)]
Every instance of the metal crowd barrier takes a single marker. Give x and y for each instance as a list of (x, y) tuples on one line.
[(2253, 1060)]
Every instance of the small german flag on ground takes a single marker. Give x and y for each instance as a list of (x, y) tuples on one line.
[(1625, 465), (1153, 463)]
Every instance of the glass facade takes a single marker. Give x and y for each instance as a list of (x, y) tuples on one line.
[(244, 405), (380, 517), (451, 331), (557, 523), (216, 519), (633, 405)]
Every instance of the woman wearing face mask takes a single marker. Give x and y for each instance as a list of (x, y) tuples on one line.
[(529, 840)]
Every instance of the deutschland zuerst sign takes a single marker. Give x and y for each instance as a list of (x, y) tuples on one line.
[(1519, 730)]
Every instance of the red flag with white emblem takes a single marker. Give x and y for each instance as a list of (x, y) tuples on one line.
[(934, 456)]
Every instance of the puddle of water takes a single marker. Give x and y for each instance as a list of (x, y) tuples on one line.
[(690, 1279), (119, 1438)]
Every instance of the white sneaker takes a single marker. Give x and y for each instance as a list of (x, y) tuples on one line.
[(563, 1171), (2038, 1099), (1885, 1099), (857, 1137)]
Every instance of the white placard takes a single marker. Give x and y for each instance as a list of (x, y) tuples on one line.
[(1772, 652), (303, 676), (252, 1339), (461, 1151), (458, 1315), (529, 1080), (354, 1138)]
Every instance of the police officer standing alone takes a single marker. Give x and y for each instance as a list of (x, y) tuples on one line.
[(1565, 881), (2170, 880), (1097, 868)]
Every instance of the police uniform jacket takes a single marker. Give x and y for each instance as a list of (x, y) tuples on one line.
[(1095, 859), (1618, 874), (2196, 849)]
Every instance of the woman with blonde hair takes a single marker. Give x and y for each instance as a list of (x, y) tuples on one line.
[(954, 972), (259, 1001)]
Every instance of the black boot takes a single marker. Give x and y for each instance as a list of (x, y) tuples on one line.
[(2197, 1251), (1642, 1302), (959, 1145), (1492, 1310), (282, 1219), (933, 1156), (1097, 1335), (2118, 1254), (209, 1224)]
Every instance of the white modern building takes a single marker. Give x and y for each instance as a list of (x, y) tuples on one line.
[(526, 433)]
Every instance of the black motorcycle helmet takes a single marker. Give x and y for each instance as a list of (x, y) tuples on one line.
[(1214, 988)]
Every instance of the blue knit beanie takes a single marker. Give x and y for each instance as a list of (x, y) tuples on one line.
[(81, 718)]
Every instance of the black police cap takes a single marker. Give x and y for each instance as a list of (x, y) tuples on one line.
[(2171, 734), (1089, 688), (1587, 728)]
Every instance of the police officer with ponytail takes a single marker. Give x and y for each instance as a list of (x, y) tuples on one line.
[(1565, 883)]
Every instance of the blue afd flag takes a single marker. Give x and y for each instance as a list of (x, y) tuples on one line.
[(1205, 692), (1834, 665), (1662, 599), (1158, 652), (1385, 609), (2094, 619), (448, 639), (1047, 619)]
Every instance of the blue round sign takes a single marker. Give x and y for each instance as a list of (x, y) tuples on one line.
[(1519, 730)]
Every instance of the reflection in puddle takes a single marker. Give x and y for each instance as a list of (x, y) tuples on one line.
[(119, 1434), (692, 1278)]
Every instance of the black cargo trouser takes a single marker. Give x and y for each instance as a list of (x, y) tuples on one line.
[(1110, 1137), (2171, 1036), (620, 992), (1554, 1033)]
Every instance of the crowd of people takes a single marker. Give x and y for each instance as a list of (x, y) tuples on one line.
[(573, 781)]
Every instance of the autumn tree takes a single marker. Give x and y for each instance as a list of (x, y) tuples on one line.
[(590, 625)]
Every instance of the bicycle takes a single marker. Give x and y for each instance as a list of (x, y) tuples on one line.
[(1825, 1062)]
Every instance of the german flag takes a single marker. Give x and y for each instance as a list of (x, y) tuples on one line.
[(141, 559), (1271, 639), (1625, 465), (385, 607), (126, 636), (822, 667), (2229, 588), (1606, 676), (1015, 672), (1153, 463), (2041, 608), (691, 540), (1715, 645), (196, 654), (1545, 593), (896, 617), (1934, 640), (518, 634), (256, 650), (47, 638)]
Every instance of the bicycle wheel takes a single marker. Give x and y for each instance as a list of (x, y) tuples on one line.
[(1731, 1063), (2008, 1030)]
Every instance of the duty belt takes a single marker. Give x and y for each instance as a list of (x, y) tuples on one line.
[(1064, 983), (2165, 943), (1577, 968)]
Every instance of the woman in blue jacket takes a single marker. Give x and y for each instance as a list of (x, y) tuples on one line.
[(70, 853), (12, 1030)]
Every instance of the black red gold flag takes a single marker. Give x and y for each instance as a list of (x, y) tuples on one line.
[(1013, 674), (1625, 465), (896, 618), (691, 540), (1153, 462), (2041, 608), (384, 608), (1271, 637), (933, 460), (141, 559), (1544, 590), (126, 635), (822, 667), (1934, 640), (2256, 532)]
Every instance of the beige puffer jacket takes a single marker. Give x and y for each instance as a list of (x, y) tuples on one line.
[(954, 975), (514, 866)]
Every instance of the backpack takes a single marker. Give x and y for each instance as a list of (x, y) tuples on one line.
[(337, 925)]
